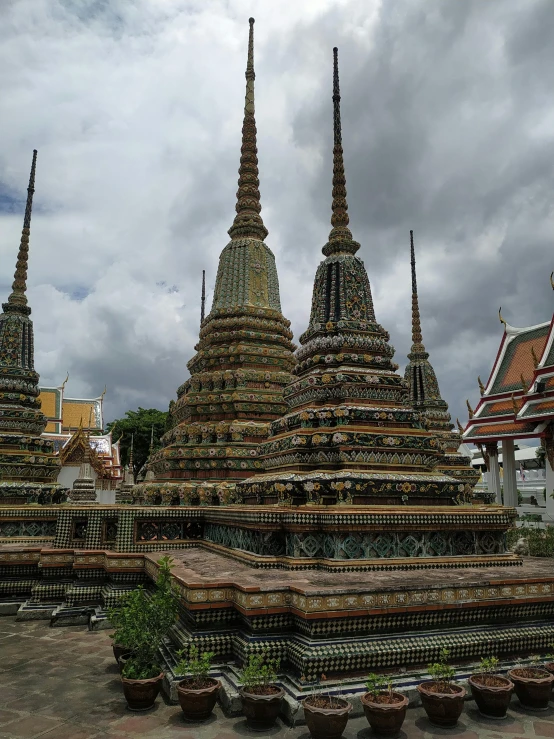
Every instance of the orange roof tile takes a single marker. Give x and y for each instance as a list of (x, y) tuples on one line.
[(500, 429), (518, 359)]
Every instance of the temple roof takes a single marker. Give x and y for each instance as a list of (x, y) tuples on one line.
[(67, 414), (515, 357), (518, 399)]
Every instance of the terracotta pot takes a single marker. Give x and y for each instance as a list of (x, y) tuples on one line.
[(261, 711), (327, 723), (198, 704), (119, 650), (442, 709), (141, 694), (533, 692), (492, 701), (123, 659), (550, 667), (385, 719)]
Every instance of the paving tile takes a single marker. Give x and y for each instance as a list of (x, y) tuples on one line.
[(31, 726), (70, 731), (544, 728), (7, 716)]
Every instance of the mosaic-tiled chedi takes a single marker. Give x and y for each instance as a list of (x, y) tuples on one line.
[(351, 435), (28, 466), (243, 358), (426, 398)]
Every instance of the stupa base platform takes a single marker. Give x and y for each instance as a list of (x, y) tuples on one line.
[(347, 538), (25, 492), (337, 623)]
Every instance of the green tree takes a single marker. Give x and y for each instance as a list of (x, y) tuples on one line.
[(540, 454), (138, 424)]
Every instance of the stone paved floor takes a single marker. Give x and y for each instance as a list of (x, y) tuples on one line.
[(63, 683)]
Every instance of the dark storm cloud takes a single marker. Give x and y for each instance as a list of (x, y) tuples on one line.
[(445, 115)]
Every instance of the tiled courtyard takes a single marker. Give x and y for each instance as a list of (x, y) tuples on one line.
[(63, 683)]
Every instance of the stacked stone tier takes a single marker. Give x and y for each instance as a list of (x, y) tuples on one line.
[(223, 410), (340, 623)]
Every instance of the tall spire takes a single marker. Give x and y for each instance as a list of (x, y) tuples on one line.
[(203, 298), (248, 222), (340, 237), (18, 297), (417, 339)]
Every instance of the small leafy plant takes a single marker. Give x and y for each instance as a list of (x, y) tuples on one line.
[(487, 672), (377, 684), (442, 673), (260, 673), (195, 667), (142, 620), (488, 665)]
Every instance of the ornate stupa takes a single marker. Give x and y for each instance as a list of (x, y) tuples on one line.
[(426, 398), (28, 466), (243, 360), (84, 487), (350, 435)]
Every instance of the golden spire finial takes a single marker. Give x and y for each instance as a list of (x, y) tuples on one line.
[(65, 381), (103, 392), (481, 386), (524, 384), (552, 280), (500, 317), (514, 406), (469, 409), (460, 427), (535, 358), (248, 222), (19, 287)]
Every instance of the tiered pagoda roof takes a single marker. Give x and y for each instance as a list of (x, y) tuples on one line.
[(28, 465), (351, 435), (517, 401), (426, 397), (243, 358)]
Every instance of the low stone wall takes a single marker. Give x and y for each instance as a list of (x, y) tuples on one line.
[(305, 536)]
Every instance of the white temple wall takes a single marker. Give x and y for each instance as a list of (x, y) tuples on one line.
[(70, 473)]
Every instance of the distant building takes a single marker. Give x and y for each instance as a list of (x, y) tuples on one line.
[(71, 424)]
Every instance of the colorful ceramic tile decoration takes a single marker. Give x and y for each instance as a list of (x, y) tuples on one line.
[(352, 434), (28, 466), (425, 396), (244, 357)]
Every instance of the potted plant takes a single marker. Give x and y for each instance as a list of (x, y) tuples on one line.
[(326, 715), (120, 618), (384, 708), (549, 665), (533, 685), (492, 693), (442, 700), (149, 618), (261, 698), (198, 691)]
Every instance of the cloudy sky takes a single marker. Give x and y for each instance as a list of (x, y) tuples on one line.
[(135, 107)]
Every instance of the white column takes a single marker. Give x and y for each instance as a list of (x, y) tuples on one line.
[(549, 489), (494, 472), (510, 477)]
